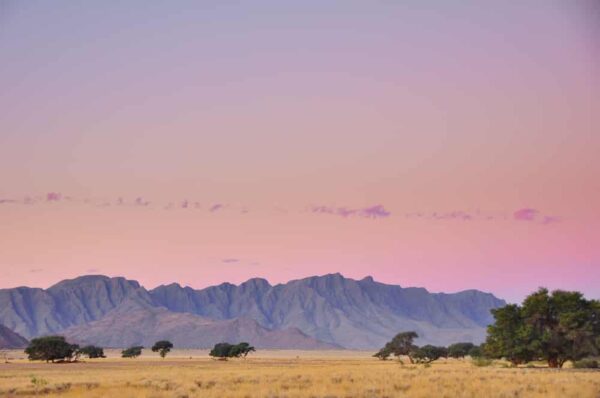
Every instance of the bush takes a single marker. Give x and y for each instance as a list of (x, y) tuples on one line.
[(132, 352), (586, 364), (51, 348), (226, 350), (92, 351)]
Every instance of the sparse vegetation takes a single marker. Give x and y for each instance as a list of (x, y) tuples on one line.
[(132, 352), (282, 374)]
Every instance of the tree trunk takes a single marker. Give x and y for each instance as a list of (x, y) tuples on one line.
[(553, 362)]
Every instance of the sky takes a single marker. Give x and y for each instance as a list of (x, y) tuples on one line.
[(449, 145)]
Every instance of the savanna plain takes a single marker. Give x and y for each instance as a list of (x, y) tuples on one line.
[(191, 373)]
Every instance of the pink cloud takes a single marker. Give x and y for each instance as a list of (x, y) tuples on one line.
[(215, 207), (141, 202), (525, 214), (376, 211), (53, 196)]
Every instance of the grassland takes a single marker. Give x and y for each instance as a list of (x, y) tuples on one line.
[(286, 374)]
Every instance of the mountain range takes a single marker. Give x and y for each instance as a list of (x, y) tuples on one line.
[(319, 312)]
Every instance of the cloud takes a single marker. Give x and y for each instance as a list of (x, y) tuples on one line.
[(215, 207), (36, 270), (550, 220), (53, 197), (139, 201), (92, 270), (525, 214), (376, 211), (230, 260)]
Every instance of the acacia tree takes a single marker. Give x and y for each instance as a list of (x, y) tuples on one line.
[(92, 351), (564, 325), (132, 352), (401, 344), (556, 327), (162, 347), (51, 348), (226, 350), (429, 353)]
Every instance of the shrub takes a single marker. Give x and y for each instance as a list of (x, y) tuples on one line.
[(132, 352), (92, 351), (586, 364)]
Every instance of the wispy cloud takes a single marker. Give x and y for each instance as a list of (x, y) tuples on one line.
[(53, 197), (526, 214), (230, 260), (215, 207), (376, 211)]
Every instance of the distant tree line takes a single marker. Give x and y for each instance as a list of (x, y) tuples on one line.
[(554, 327), (57, 349)]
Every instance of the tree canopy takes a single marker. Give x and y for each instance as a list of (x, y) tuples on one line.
[(226, 350), (92, 351), (401, 344), (460, 350), (132, 352), (162, 347), (51, 348), (557, 327)]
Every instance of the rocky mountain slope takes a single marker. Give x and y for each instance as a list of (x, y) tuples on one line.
[(10, 339), (320, 311)]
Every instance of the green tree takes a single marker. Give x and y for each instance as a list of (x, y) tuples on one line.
[(226, 350), (51, 348), (563, 325), (509, 337), (92, 351), (241, 350), (460, 350), (476, 351), (162, 347), (429, 353), (221, 350), (401, 344), (132, 352)]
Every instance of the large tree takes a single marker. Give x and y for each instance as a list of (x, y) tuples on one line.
[(51, 348), (132, 352), (92, 351), (509, 337), (564, 325), (556, 327)]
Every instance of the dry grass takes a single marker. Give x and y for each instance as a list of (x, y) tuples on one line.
[(287, 374)]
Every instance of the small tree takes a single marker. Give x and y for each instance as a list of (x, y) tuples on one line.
[(132, 352), (226, 350), (241, 350), (429, 353), (162, 347), (459, 350), (401, 344), (92, 351), (51, 348)]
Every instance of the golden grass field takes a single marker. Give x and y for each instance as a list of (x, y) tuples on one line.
[(191, 373)]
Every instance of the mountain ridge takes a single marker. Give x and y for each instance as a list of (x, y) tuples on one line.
[(331, 309)]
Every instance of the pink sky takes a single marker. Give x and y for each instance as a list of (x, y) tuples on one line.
[(449, 147)]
